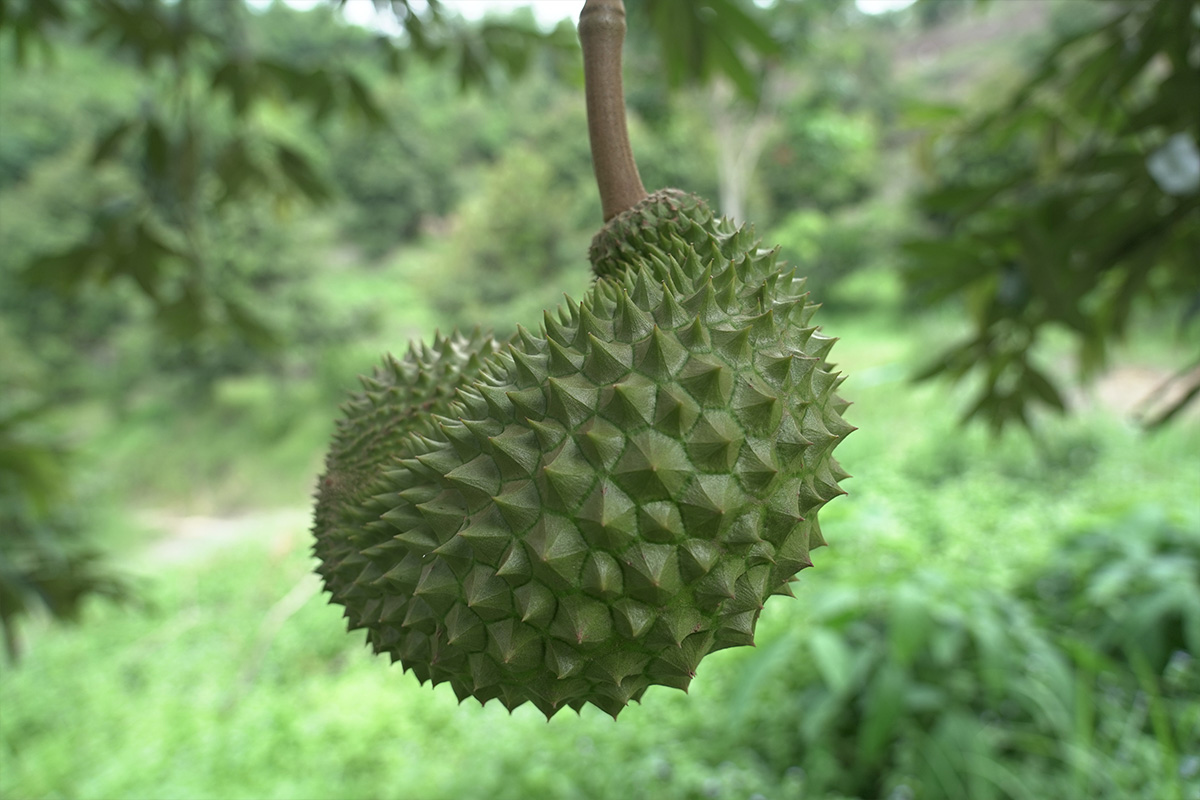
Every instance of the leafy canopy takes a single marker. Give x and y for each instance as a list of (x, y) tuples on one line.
[(1066, 205)]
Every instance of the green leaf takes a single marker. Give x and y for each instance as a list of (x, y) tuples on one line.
[(1042, 388), (364, 101), (726, 58), (916, 113), (185, 316), (732, 17), (909, 626), (701, 39), (1057, 204), (956, 360), (30, 461), (234, 76), (300, 173), (236, 171), (64, 271), (883, 711), (109, 143), (833, 659), (249, 325), (965, 199), (156, 150)]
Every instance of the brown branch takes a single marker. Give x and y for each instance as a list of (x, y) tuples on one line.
[(601, 33)]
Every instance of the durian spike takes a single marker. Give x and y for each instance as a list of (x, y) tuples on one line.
[(601, 35)]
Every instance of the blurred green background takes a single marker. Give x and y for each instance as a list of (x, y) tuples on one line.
[(215, 215)]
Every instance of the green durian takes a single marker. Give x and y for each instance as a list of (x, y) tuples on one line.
[(396, 402), (585, 511)]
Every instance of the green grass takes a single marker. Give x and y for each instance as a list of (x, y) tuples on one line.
[(200, 695), (234, 679)]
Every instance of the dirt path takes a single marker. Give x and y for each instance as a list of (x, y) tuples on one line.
[(1133, 390), (185, 539)]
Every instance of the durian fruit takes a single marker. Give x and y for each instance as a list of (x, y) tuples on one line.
[(591, 508), (398, 400)]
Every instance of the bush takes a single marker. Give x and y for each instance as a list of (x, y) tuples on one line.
[(921, 684), (928, 688), (513, 248), (43, 564), (828, 248), (1131, 589), (824, 160)]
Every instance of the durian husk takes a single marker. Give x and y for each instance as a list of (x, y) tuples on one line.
[(592, 508)]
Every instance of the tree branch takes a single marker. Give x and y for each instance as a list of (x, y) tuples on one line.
[(601, 34)]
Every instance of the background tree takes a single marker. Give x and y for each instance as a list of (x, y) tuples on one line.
[(215, 116), (1066, 206), (1000, 617)]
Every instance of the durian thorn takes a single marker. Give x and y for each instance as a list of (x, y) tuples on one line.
[(601, 34)]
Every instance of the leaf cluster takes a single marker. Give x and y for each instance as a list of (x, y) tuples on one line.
[(224, 115), (1136, 598), (196, 145), (702, 40), (931, 687), (1068, 208), (42, 568)]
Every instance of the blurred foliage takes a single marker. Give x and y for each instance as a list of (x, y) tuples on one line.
[(931, 13), (42, 565), (396, 178), (908, 665), (1131, 588), (950, 691), (1007, 618), (839, 159), (200, 65), (1061, 208), (809, 136), (512, 217), (701, 39), (933, 689), (58, 321), (163, 207), (199, 144), (216, 124), (829, 248)]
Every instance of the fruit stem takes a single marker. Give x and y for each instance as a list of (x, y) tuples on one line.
[(601, 34)]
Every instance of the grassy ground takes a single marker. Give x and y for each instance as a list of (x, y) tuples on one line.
[(234, 679)]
